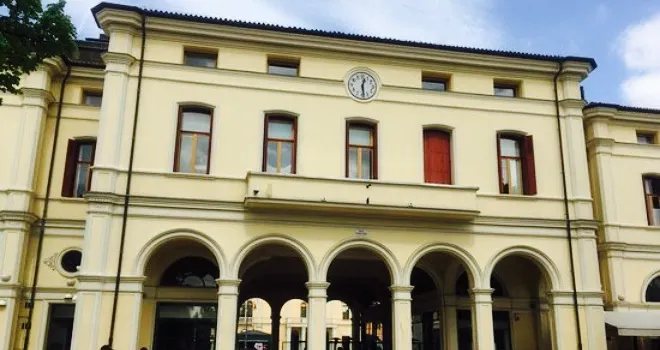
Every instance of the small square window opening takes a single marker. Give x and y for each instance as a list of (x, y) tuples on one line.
[(200, 59), (283, 67), (646, 138), (92, 98)]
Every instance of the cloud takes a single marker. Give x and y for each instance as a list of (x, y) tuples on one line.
[(453, 22), (640, 51)]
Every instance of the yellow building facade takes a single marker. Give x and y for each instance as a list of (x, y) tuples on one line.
[(195, 183)]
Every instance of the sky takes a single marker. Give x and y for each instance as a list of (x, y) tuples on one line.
[(622, 35)]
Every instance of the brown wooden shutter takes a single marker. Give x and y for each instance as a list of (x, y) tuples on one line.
[(437, 157), (70, 168), (529, 171), (499, 163)]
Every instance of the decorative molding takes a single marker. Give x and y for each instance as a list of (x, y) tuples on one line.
[(52, 261)]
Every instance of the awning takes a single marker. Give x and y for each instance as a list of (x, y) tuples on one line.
[(634, 323)]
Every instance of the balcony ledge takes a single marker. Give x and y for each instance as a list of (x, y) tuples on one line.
[(359, 197)]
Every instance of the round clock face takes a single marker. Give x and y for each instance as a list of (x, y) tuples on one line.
[(362, 85)]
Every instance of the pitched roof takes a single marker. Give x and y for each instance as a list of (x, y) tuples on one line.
[(337, 34), (622, 108)]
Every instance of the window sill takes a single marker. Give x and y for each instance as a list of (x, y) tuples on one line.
[(191, 176)]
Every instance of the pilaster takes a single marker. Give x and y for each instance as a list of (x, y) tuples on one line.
[(317, 299), (482, 319), (401, 317), (227, 313)]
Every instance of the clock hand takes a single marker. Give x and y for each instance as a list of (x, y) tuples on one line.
[(363, 81)]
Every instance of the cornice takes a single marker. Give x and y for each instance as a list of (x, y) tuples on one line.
[(18, 216), (118, 58), (607, 114), (36, 97), (54, 66), (115, 20), (104, 198), (362, 48)]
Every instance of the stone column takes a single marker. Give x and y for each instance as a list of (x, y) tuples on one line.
[(275, 309), (401, 317), (450, 326), (482, 319), (227, 310), (316, 315)]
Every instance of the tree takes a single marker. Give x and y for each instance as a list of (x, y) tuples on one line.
[(29, 35)]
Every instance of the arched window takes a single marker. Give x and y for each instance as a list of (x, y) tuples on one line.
[(193, 140), (280, 144), (303, 309), (653, 291), (246, 309), (361, 151), (192, 272), (515, 159)]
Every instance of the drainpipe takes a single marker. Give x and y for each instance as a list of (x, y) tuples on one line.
[(44, 211), (115, 300), (569, 234)]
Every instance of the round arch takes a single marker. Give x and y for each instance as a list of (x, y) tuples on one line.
[(373, 246), (646, 285), (547, 268), (245, 250), (189, 234), (474, 273)]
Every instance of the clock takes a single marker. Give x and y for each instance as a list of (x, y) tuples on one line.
[(362, 85)]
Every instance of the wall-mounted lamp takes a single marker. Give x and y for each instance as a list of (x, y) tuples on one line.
[(68, 297), (5, 278)]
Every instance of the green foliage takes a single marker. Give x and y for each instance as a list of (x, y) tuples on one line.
[(28, 35)]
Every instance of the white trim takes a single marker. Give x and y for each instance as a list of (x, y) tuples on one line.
[(290, 242), (382, 251), (472, 267)]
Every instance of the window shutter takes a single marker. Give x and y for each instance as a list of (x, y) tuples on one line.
[(499, 163), (70, 169), (437, 157), (529, 171)]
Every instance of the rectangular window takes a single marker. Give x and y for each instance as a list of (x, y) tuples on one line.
[(646, 138), (92, 98), (652, 194), (281, 66), (193, 144), (361, 151), (505, 89), (77, 170), (60, 326), (280, 144), (200, 59), (516, 164), (434, 83), (303, 309), (345, 312), (437, 156)]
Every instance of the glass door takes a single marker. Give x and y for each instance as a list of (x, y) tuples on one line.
[(185, 326)]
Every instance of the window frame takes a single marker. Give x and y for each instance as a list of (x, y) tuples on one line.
[(91, 92), (286, 62), (303, 309), (645, 134), (210, 54), (646, 290), (294, 157), (527, 162), (507, 85), (373, 127), (177, 150), (433, 78), (72, 163), (648, 201)]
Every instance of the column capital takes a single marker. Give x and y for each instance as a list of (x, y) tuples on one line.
[(482, 295), (317, 289), (401, 292), (228, 286)]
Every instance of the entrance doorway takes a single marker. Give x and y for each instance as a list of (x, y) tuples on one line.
[(185, 327)]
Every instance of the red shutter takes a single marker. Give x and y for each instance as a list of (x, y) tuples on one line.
[(70, 169), (529, 171), (499, 163), (437, 157)]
